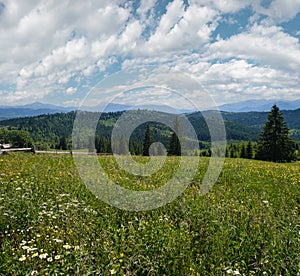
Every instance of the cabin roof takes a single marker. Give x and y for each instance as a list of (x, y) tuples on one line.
[(5, 146)]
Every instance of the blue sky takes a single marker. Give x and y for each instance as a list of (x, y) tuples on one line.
[(56, 51)]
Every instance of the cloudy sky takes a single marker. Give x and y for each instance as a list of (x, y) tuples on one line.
[(56, 51)]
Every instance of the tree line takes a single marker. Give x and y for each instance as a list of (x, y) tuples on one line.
[(274, 143), (16, 138)]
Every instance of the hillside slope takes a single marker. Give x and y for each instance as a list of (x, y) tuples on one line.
[(244, 126)]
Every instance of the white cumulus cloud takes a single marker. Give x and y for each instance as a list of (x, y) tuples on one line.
[(266, 45), (71, 90), (49, 47)]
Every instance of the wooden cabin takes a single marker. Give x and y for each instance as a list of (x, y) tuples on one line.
[(5, 146)]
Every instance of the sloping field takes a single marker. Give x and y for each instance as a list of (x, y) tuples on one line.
[(50, 224)]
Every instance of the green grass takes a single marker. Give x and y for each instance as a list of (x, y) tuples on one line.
[(50, 224)]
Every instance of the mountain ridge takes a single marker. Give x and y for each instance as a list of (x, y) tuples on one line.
[(39, 108), (241, 126), (259, 105)]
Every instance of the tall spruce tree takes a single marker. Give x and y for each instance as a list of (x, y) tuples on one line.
[(91, 144), (100, 145), (249, 150), (148, 140), (122, 146), (63, 143), (174, 147), (243, 152), (160, 150), (274, 143)]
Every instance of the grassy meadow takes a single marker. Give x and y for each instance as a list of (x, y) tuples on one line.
[(50, 224)]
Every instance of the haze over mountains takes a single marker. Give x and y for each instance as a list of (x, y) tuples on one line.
[(260, 105), (37, 108), (240, 126)]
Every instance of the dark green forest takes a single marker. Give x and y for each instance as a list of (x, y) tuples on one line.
[(54, 131)]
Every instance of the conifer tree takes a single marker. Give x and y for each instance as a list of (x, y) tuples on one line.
[(122, 146), (91, 144), (100, 145), (243, 152), (160, 150), (174, 143), (274, 143), (232, 153), (63, 143), (249, 150), (148, 140)]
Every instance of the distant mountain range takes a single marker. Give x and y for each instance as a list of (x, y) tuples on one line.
[(34, 109), (260, 105), (37, 108), (240, 126)]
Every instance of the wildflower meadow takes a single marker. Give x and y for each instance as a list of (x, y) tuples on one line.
[(51, 224)]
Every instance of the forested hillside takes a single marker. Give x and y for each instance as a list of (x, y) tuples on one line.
[(255, 120), (49, 129)]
